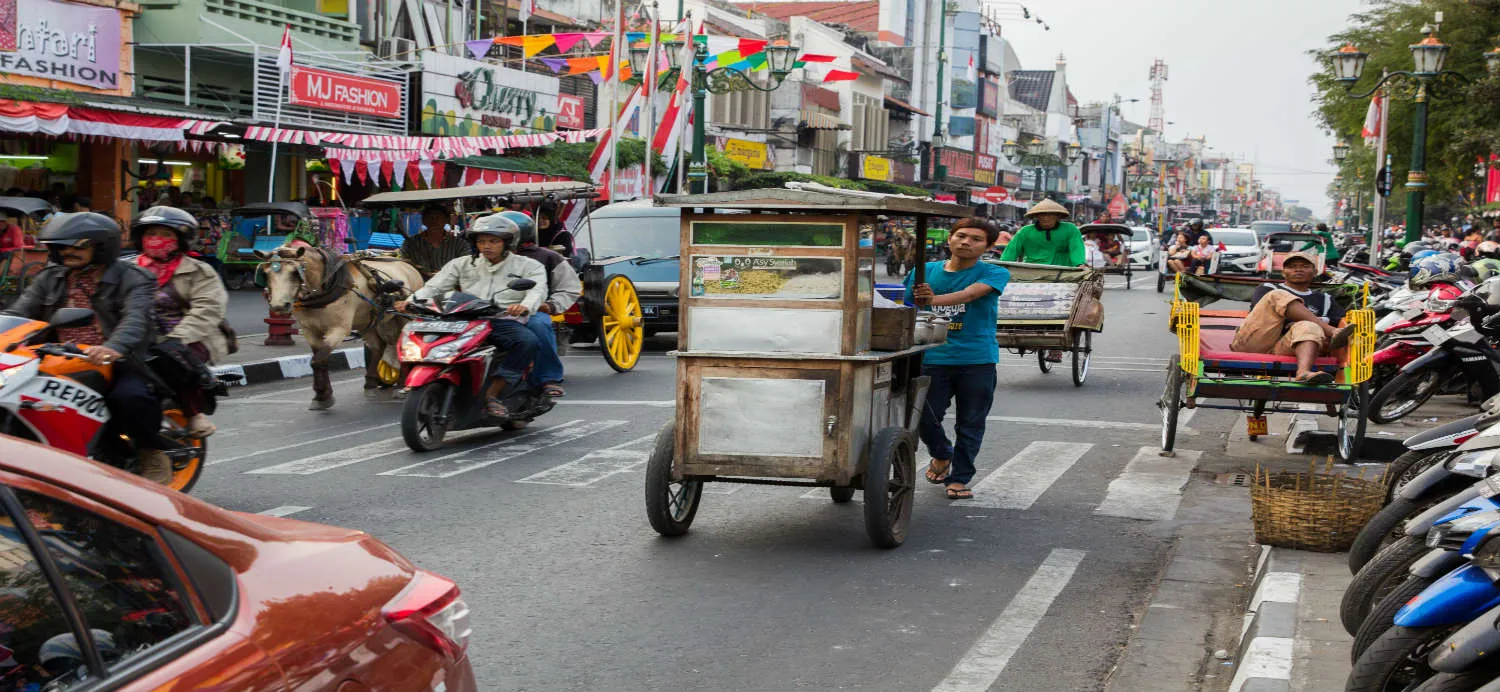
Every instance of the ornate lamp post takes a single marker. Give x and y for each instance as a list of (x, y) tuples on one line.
[(1340, 151), (1038, 154), (723, 80)]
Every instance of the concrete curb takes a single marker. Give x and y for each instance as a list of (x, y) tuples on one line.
[(1264, 663), (290, 367)]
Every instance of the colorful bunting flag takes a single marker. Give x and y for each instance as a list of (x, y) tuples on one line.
[(510, 40), (479, 48), (594, 37), (813, 57), (751, 46), (531, 45), (555, 64), (565, 42), (582, 65), (840, 76)]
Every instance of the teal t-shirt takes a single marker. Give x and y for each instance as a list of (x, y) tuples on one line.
[(971, 326)]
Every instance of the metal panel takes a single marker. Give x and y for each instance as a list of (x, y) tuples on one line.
[(761, 417), (764, 330)]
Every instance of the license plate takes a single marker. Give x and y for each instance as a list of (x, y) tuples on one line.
[(1489, 487), (1436, 335), (1256, 425), (648, 310), (440, 327)]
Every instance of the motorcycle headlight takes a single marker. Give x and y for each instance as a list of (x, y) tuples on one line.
[(1487, 557), (410, 350), (1451, 535), (445, 352), (1474, 464), (1438, 305)]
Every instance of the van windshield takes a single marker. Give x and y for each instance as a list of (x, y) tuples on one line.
[(649, 237)]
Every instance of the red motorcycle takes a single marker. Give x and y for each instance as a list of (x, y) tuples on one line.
[(1401, 341), (447, 358)]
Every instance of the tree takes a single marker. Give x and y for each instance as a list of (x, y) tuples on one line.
[(1464, 121), (1299, 214)]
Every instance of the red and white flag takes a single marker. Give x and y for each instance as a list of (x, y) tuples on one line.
[(527, 8), (971, 66), (1371, 129), (284, 58), (674, 120)]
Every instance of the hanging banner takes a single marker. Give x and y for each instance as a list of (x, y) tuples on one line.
[(63, 42), (569, 112), (467, 98), (336, 91)]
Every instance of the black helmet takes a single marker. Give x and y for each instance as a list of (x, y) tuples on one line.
[(1196, 223), (1414, 247), (495, 225), (525, 227), (86, 228), (185, 225)]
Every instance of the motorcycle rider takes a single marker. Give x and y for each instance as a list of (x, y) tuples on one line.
[(85, 271), (487, 273), (563, 289)]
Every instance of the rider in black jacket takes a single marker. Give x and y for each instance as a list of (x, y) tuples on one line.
[(85, 271)]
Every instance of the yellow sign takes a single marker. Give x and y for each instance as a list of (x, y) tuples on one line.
[(876, 168), (752, 154), (984, 177)]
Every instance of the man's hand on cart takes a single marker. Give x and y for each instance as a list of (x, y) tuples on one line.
[(922, 294)]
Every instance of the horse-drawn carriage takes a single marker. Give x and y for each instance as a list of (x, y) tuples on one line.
[(264, 227), (609, 306), (20, 265)]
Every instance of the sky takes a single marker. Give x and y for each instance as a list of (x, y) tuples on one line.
[(1237, 73)]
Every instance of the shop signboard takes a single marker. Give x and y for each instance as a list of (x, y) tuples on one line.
[(569, 112), (874, 167), (463, 97), (1117, 207), (752, 154), (63, 42), (989, 97), (960, 164), (336, 91), (1010, 178), (984, 168)]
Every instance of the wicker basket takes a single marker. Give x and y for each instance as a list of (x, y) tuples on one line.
[(1321, 512)]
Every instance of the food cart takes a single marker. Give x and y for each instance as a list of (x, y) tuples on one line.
[(786, 372)]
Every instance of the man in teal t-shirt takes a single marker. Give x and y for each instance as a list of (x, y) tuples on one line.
[(966, 291)]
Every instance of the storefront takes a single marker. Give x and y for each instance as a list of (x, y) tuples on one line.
[(466, 98)]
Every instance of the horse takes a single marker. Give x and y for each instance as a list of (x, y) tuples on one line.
[(331, 296)]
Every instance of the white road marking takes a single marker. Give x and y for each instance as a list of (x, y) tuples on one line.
[(283, 448), (1079, 423), (669, 403), (355, 455), (284, 510), (986, 660), (477, 458), (596, 465), (1150, 488), (1185, 416), (723, 488), (1019, 482), (288, 390)]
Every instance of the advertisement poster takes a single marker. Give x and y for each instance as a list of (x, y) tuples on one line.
[(336, 91), (467, 98), (67, 42)]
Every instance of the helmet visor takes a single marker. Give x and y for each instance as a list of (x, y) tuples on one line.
[(68, 242)]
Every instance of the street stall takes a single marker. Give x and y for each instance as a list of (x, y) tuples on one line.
[(787, 373)]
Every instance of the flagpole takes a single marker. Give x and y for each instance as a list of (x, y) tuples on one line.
[(281, 70), (649, 80), (1377, 222), (612, 78)]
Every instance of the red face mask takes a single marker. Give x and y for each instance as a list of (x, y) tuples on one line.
[(157, 247)]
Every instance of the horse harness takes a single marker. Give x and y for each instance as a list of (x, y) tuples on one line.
[(337, 282)]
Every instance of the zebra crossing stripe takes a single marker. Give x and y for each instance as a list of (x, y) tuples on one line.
[(596, 465), (335, 459), (1150, 488), (1019, 482), (477, 458)]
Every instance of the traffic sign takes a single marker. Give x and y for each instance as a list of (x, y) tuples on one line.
[(993, 195), (1117, 206)]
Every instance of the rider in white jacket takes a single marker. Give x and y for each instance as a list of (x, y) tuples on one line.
[(487, 274)]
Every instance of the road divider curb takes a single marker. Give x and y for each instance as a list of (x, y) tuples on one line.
[(1264, 663), (290, 367)]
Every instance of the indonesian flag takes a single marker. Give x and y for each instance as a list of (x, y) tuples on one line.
[(284, 58), (604, 150), (1371, 129), (971, 66), (669, 132), (527, 8)]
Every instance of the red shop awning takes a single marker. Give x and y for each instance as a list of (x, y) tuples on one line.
[(30, 117)]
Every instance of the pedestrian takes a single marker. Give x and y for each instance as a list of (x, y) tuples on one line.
[(967, 292)]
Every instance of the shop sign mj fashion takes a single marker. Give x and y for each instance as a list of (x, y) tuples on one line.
[(66, 42)]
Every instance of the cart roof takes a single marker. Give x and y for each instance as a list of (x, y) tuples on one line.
[(521, 192), (1309, 235), (295, 208), (817, 202), (1107, 228), (25, 205)]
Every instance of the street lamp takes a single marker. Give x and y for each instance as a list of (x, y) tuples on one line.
[(1428, 56), (1340, 151), (780, 55), (1010, 149), (1036, 153), (640, 55), (1073, 152)]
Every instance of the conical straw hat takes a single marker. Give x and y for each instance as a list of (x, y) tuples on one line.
[(1048, 206)]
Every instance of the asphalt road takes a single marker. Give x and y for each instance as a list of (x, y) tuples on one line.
[(1032, 586)]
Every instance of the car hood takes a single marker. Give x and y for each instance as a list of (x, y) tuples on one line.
[(642, 270)]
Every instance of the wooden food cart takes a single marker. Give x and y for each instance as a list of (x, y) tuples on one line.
[(779, 378), (1046, 307)]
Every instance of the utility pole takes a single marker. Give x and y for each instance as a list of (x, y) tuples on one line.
[(939, 171)]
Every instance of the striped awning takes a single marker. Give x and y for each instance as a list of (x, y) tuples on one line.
[(813, 120)]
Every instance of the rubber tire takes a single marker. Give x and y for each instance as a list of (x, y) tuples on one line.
[(1386, 570), (1467, 681), (1350, 414), (1082, 339), (1374, 536), (411, 409), (893, 455), (183, 480), (1396, 384), (1042, 362), (841, 493), (1414, 460), (1382, 616), (1161, 282), (1170, 404), (658, 483), (1375, 667)]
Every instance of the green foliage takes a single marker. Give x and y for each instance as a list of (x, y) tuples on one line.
[(16, 92), (894, 188), (724, 168), (780, 178), (1464, 119)]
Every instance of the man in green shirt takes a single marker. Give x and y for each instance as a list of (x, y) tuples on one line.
[(1048, 240), (1330, 251)]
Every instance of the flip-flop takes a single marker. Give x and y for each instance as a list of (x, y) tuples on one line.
[(1341, 337), (494, 409), (932, 473), (960, 494), (1319, 377), (553, 390)]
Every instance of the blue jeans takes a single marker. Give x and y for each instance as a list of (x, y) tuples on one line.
[(973, 388), (518, 346), (548, 368)]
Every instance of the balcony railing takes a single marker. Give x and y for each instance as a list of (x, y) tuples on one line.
[(276, 15)]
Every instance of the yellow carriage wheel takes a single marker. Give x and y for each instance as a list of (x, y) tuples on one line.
[(621, 330), (387, 373)]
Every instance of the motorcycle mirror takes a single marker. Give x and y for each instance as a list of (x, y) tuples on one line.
[(521, 285), (71, 317)]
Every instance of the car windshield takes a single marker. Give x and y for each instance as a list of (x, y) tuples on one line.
[(1140, 235), (1232, 237), (650, 237)]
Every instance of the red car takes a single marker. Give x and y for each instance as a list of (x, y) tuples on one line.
[(109, 582)]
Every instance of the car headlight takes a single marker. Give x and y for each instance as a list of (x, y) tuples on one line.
[(1451, 535), (1487, 557), (1473, 464)]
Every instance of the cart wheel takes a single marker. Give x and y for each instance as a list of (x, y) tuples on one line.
[(890, 485), (1352, 423), (1170, 404), (1127, 277), (620, 331), (1161, 282), (1042, 362), (670, 505), (841, 493), (1083, 351)]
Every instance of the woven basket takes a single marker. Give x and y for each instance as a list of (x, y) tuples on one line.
[(1321, 512)]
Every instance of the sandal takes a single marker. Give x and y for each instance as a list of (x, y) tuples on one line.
[(494, 409), (960, 494), (1319, 377), (932, 472), (552, 389)]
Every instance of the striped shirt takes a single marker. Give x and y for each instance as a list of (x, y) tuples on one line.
[(429, 258)]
